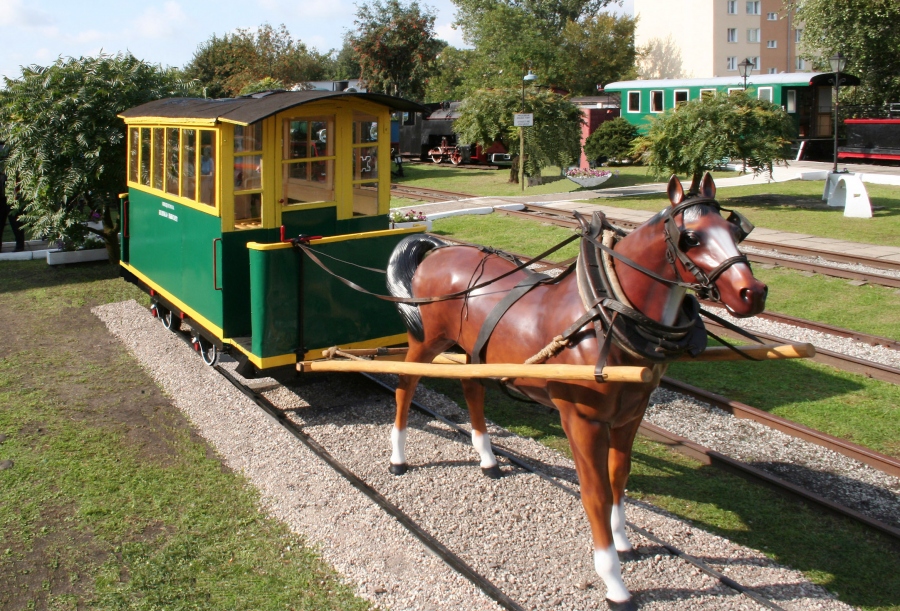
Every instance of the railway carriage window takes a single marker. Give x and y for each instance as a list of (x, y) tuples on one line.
[(207, 167), (247, 210), (365, 164), (188, 166), (172, 161), (248, 139), (707, 93), (145, 156), (308, 160), (159, 157), (764, 93), (681, 97), (792, 101), (656, 101), (134, 147), (247, 172), (634, 101), (248, 176)]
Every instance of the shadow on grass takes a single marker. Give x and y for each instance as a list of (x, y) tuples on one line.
[(882, 207), (35, 274)]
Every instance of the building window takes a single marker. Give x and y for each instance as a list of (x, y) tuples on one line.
[(732, 7), (732, 34), (755, 61), (771, 44), (634, 101), (753, 8), (772, 71), (764, 93), (681, 97), (772, 16), (753, 35), (731, 63), (798, 33), (801, 63), (656, 101)]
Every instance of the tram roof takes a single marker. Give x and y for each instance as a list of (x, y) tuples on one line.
[(786, 79), (252, 108)]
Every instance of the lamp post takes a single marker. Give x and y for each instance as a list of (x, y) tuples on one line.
[(838, 63), (529, 76), (745, 68)]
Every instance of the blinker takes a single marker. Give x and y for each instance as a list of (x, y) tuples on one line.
[(744, 226)]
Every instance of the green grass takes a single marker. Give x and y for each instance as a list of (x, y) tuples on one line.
[(515, 235), (113, 502), (779, 206), (819, 544)]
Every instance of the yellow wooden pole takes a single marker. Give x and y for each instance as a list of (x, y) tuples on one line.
[(764, 352)]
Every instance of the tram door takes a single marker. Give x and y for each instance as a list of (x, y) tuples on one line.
[(824, 112)]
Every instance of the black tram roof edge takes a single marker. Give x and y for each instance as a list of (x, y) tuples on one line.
[(252, 108)]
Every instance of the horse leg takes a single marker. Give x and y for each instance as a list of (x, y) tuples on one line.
[(621, 441), (474, 393), (589, 441), (418, 352)]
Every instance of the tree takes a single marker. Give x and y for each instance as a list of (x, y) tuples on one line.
[(566, 42), (228, 64), (396, 46), (866, 31), (447, 80), (266, 84), (67, 154), (613, 140), (344, 64), (692, 138), (487, 116)]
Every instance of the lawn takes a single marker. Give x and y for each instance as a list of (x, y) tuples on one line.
[(112, 501)]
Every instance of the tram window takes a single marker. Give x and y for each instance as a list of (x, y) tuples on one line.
[(792, 100), (681, 97), (172, 159), (188, 165), (365, 163), (145, 156), (207, 167), (134, 147), (365, 199), (365, 128), (656, 101), (634, 101), (247, 172), (308, 160), (247, 209), (707, 93), (159, 157), (248, 138), (764, 93)]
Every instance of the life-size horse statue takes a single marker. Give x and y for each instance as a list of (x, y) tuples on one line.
[(627, 304)]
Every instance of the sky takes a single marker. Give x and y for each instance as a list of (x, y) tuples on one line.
[(168, 32)]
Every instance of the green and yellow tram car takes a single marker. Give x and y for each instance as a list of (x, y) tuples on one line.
[(215, 185)]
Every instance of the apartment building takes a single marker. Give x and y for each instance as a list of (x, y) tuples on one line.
[(709, 38)]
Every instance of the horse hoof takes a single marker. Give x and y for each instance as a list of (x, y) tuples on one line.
[(628, 605), (492, 472), (398, 469)]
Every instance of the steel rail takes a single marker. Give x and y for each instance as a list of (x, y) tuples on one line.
[(522, 462), (428, 194), (866, 338)]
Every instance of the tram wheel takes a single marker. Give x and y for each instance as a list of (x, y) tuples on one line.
[(169, 320), (208, 352), (437, 158)]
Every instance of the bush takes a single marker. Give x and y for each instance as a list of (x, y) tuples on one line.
[(612, 140)]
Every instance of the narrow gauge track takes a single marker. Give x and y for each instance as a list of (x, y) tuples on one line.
[(428, 195), (564, 219), (442, 551)]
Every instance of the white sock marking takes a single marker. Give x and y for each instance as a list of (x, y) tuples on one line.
[(398, 443), (617, 521), (606, 563), (482, 444)]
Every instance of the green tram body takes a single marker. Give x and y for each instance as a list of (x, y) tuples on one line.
[(207, 245), (805, 96)]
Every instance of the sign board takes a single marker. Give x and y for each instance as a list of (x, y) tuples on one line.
[(523, 119)]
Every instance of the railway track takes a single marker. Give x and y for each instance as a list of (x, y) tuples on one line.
[(428, 195), (441, 550)]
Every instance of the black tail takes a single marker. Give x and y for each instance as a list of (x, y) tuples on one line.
[(406, 257)]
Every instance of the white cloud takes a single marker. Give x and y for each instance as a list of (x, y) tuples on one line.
[(453, 36), (161, 22), (88, 36), (15, 13)]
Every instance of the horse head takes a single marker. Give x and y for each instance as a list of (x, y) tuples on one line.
[(702, 245)]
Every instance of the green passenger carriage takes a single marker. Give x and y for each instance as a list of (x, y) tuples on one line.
[(215, 185)]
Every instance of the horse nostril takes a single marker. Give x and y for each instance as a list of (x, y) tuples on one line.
[(746, 295)]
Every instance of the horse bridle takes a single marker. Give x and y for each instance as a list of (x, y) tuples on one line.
[(706, 282)]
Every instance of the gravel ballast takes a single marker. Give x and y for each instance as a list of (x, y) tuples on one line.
[(528, 537)]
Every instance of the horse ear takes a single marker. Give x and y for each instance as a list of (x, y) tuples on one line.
[(675, 191), (708, 187)]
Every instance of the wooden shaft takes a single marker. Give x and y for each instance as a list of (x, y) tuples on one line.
[(549, 372), (764, 352)]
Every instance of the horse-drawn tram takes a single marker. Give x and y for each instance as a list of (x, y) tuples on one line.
[(260, 223)]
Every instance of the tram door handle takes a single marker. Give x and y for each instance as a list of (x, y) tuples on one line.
[(125, 227), (215, 262)]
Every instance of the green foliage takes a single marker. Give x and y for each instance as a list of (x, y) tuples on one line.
[(447, 80), (224, 66), (487, 116), (691, 138), (266, 84), (866, 31), (396, 46), (344, 64), (67, 156), (566, 42), (613, 139)]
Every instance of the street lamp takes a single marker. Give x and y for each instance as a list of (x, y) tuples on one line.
[(745, 68), (838, 63), (529, 76)]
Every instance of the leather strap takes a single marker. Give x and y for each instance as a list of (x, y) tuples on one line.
[(487, 327)]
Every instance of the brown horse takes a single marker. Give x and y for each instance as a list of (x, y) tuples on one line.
[(687, 246)]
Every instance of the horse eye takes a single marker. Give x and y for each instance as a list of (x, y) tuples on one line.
[(690, 240)]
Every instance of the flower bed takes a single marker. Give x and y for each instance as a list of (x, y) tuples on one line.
[(408, 218), (588, 178)]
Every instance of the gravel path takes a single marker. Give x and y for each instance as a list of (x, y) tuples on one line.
[(856, 267), (527, 536)]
